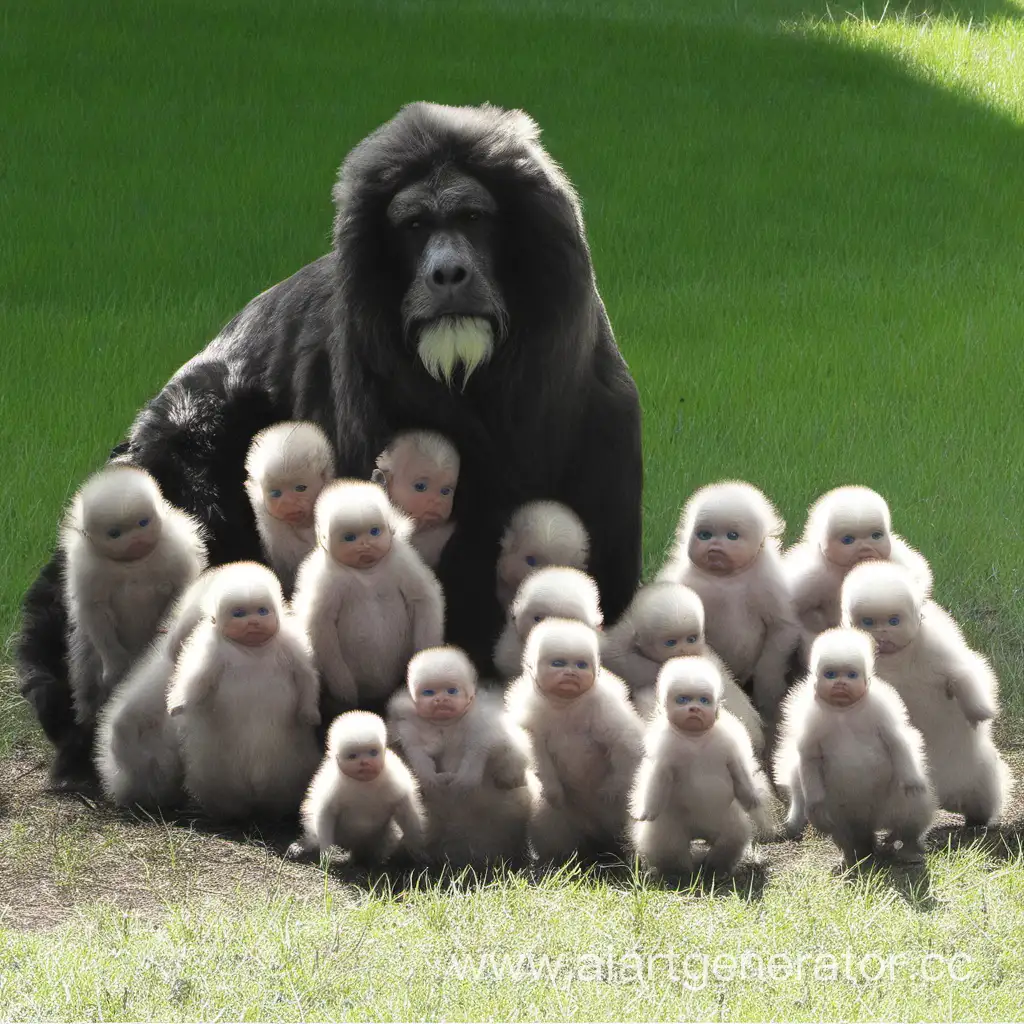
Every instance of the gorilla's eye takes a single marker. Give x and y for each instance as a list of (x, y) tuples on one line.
[(877, 535), (414, 224), (300, 487), (420, 486), (531, 559), (113, 533), (374, 531), (703, 535), (473, 215), (894, 620), (848, 539)]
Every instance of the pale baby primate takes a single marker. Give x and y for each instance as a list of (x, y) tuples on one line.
[(539, 534), (365, 597), (666, 620), (555, 591), (420, 471), (471, 762), (727, 550), (586, 740), (846, 526), (699, 778), (848, 755), (129, 554), (245, 696), (287, 467), (138, 756), (950, 691), (363, 798)]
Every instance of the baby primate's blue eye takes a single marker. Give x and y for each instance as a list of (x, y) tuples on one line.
[(538, 618), (238, 613), (113, 533), (375, 531), (300, 487), (705, 700), (143, 523), (263, 611), (582, 664), (877, 535), (350, 537), (452, 690), (558, 663), (445, 491), (703, 535), (428, 692), (894, 621), (670, 643), (419, 486), (682, 699), (691, 639), (830, 674), (867, 622), (351, 757), (276, 492), (848, 539), (531, 559), (733, 535), (374, 751), (852, 675)]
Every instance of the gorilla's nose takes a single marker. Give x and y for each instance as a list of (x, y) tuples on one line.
[(448, 277)]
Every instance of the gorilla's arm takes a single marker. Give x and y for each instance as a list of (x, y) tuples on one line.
[(604, 482), (264, 366)]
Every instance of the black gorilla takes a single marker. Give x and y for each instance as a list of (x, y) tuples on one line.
[(445, 216)]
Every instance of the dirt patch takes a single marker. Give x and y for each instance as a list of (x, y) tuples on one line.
[(62, 850)]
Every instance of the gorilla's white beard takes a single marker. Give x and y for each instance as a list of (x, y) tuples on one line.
[(454, 341)]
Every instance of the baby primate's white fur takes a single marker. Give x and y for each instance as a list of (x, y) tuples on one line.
[(245, 695), (556, 591), (471, 762), (585, 736), (844, 527), (950, 691), (287, 467), (419, 470), (852, 764), (365, 622), (129, 553), (539, 534), (138, 756), (370, 816), (727, 550), (699, 778), (666, 620)]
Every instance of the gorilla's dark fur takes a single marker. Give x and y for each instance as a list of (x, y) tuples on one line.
[(553, 414)]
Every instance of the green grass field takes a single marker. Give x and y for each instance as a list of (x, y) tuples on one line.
[(808, 227)]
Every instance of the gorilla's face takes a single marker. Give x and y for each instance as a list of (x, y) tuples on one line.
[(445, 229)]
